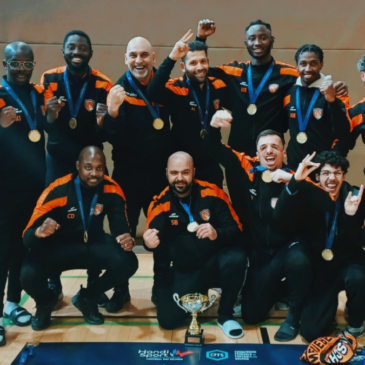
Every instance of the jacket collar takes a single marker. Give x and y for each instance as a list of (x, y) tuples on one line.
[(316, 83)]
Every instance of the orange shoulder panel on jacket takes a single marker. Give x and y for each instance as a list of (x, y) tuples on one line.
[(217, 83), (57, 70), (289, 71), (246, 162), (178, 90), (106, 85), (39, 88), (355, 121), (134, 101), (285, 64), (114, 189), (286, 100), (156, 198), (172, 81), (158, 209), (2, 103), (101, 75), (231, 70)]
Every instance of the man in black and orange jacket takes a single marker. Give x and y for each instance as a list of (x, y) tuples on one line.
[(193, 222), (60, 239), (179, 95)]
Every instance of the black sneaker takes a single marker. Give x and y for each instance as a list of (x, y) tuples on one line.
[(88, 308), (118, 300), (2, 333), (57, 289), (42, 318), (103, 300)]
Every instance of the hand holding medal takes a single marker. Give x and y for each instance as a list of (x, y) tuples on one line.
[(54, 106), (7, 116), (206, 230), (306, 167)]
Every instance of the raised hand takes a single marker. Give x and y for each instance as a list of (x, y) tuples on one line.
[(221, 118), (306, 167), (206, 28), (150, 238), (280, 176), (48, 227), (54, 106), (7, 116), (181, 48), (101, 110), (328, 91), (117, 96), (352, 202), (341, 88), (126, 241), (206, 230)]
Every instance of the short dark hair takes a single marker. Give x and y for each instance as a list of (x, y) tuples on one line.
[(196, 46), (79, 33), (270, 132), (332, 158), (309, 48), (259, 22)]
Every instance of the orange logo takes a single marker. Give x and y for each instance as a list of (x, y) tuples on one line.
[(273, 88), (98, 209), (292, 115), (43, 110), (205, 214), (89, 104), (18, 118), (318, 112), (174, 222), (244, 89), (216, 104), (70, 215), (193, 109)]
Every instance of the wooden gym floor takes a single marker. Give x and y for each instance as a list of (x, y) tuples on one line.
[(135, 323)]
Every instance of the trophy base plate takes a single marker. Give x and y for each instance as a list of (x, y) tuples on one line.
[(194, 340)]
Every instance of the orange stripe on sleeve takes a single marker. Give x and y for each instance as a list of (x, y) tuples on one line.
[(53, 86), (246, 162), (114, 189), (230, 70), (286, 100), (217, 83), (355, 121), (39, 88), (2, 103), (153, 213), (106, 85), (285, 64), (289, 71), (177, 89), (135, 101)]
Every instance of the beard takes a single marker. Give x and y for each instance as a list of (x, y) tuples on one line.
[(181, 190), (82, 66), (266, 52)]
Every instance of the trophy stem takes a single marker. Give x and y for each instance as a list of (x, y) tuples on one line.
[(194, 328)]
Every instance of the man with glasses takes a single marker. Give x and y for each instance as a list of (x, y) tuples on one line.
[(22, 162), (331, 225)]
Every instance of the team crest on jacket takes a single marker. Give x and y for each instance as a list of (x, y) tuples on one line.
[(273, 88), (318, 112), (205, 214), (98, 209), (273, 202), (216, 104), (43, 110), (89, 104)]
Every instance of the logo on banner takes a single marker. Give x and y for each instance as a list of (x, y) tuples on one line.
[(216, 104), (164, 355), (273, 202), (217, 355), (98, 209), (318, 112), (273, 88), (245, 355), (89, 104), (205, 214)]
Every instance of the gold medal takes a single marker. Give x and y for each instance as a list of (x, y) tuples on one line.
[(72, 123), (203, 132), (302, 137), (192, 226), (86, 237), (158, 123), (34, 135), (266, 176), (327, 254), (252, 109)]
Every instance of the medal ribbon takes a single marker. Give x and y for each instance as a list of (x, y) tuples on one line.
[(187, 210), (255, 94), (303, 123), (32, 122), (81, 206), (330, 237), (203, 118), (154, 110), (74, 109)]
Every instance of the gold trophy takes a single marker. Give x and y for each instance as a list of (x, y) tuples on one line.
[(194, 303)]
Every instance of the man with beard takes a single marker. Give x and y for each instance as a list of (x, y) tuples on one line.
[(23, 166), (72, 94), (192, 101), (139, 132), (316, 118), (195, 223), (66, 232)]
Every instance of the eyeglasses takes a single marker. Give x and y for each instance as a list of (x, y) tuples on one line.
[(336, 174), (15, 65)]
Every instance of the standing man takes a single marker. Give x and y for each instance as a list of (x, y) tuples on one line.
[(192, 101), (66, 232), (316, 118), (22, 161), (195, 223), (139, 132)]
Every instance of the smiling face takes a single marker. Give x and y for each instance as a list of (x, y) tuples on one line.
[(196, 66), (331, 178), (259, 42), (19, 76), (77, 53), (309, 67), (270, 152), (91, 168)]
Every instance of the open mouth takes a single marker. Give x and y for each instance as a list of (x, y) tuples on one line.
[(21, 78), (139, 68), (270, 160), (331, 187)]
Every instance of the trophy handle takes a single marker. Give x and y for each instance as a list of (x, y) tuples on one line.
[(212, 299), (177, 300)]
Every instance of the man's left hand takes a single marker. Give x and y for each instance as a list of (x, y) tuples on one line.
[(280, 176), (206, 231), (328, 91), (126, 241), (341, 88)]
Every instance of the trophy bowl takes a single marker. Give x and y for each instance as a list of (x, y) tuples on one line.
[(194, 304)]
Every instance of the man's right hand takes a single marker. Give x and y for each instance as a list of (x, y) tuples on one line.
[(221, 118), (181, 48), (7, 116), (54, 106), (306, 167), (48, 227), (150, 238), (117, 96), (206, 28)]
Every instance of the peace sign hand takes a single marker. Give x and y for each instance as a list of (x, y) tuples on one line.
[(304, 168), (352, 202), (181, 48)]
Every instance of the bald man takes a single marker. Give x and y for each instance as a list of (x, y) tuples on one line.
[(194, 222), (140, 134), (22, 161), (66, 232)]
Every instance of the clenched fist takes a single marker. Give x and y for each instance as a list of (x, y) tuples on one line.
[(150, 238), (101, 110), (328, 91), (126, 241), (117, 96), (7, 116), (222, 118), (206, 28), (48, 227), (54, 106)]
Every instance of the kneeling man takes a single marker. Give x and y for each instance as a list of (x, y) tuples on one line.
[(66, 232), (195, 223)]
